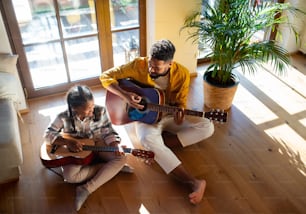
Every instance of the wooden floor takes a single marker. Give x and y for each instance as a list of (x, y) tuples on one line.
[(254, 163)]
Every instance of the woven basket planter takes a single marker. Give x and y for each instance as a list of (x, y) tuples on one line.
[(219, 97)]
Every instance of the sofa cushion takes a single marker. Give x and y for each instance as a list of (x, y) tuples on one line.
[(10, 144), (8, 65), (8, 86), (8, 62)]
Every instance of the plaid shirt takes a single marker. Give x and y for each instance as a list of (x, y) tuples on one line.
[(99, 126)]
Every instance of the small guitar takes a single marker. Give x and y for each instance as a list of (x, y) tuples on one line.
[(55, 157), (154, 102)]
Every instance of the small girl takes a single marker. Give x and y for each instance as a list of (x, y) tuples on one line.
[(84, 119)]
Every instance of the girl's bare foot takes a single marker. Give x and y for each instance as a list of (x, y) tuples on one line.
[(196, 196), (149, 161)]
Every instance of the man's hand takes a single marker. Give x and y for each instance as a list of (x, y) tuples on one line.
[(179, 116), (133, 100)]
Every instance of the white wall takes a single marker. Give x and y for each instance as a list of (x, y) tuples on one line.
[(5, 45), (288, 39), (164, 20)]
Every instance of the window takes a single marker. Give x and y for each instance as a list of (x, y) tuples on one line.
[(203, 49), (67, 42), (125, 30)]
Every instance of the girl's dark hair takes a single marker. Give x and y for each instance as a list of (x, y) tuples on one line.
[(162, 50), (77, 96)]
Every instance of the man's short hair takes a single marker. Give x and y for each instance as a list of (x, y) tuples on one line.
[(162, 50)]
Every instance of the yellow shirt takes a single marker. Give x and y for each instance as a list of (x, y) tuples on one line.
[(179, 79)]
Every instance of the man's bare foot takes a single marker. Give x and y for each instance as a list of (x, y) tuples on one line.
[(196, 196)]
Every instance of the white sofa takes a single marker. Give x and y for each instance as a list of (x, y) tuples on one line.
[(10, 144)]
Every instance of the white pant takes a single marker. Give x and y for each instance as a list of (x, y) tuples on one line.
[(97, 174), (193, 130)]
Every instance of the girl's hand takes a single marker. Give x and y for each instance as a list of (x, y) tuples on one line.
[(74, 145), (119, 151)]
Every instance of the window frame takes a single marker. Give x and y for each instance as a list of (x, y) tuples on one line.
[(104, 37)]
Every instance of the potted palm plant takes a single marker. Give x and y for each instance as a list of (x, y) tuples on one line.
[(227, 28)]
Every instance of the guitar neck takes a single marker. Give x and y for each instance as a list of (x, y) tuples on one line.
[(105, 149), (211, 115), (172, 109)]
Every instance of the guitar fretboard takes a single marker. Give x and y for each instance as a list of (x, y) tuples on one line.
[(212, 115), (105, 149), (172, 109)]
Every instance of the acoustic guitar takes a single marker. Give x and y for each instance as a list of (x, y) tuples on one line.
[(154, 101), (55, 156)]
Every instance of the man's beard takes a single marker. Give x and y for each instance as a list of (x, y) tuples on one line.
[(155, 76)]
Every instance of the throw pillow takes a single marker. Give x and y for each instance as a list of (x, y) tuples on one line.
[(8, 86), (8, 62)]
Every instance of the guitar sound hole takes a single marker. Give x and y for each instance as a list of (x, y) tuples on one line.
[(144, 103), (137, 114)]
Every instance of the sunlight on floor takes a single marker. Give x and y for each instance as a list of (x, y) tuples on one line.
[(52, 111), (125, 138), (294, 78), (143, 210), (278, 91), (294, 145), (265, 98), (255, 110), (303, 122)]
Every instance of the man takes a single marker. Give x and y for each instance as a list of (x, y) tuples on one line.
[(160, 71)]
